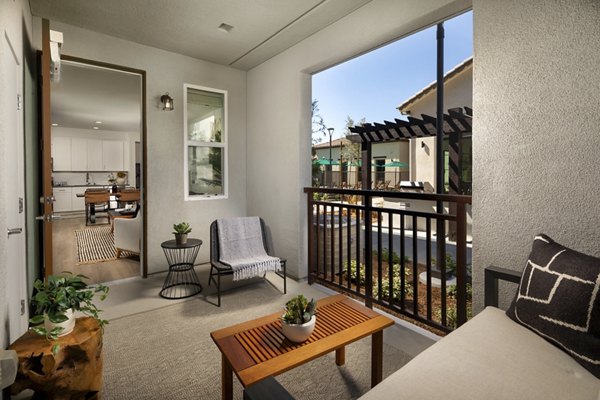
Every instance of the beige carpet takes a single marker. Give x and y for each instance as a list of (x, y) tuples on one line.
[(167, 353)]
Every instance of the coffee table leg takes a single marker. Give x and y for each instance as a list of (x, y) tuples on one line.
[(376, 358), (340, 356), (226, 380)]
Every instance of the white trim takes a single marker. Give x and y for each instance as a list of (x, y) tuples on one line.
[(222, 144)]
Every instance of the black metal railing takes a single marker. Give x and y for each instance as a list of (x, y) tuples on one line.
[(384, 253)]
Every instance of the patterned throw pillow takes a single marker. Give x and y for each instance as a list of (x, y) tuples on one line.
[(559, 299)]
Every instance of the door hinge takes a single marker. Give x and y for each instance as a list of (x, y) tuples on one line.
[(22, 307), (20, 205), (19, 102)]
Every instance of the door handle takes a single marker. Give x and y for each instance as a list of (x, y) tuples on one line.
[(48, 218), (14, 231)]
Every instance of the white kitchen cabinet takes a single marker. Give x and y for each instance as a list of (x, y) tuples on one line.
[(61, 153), (94, 155), (77, 203), (62, 199), (112, 155), (79, 160)]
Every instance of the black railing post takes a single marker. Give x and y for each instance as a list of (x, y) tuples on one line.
[(461, 264), (368, 252), (439, 181), (310, 221)]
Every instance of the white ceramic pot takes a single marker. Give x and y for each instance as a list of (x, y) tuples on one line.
[(298, 333), (67, 326)]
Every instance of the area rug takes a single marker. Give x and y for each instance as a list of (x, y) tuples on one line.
[(96, 245), (167, 353)]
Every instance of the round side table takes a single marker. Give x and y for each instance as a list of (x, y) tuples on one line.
[(181, 281)]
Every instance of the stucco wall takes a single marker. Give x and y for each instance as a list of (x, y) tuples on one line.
[(279, 98), (167, 72), (15, 23), (458, 92), (535, 132)]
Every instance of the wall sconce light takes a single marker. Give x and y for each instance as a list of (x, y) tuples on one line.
[(423, 145), (167, 102)]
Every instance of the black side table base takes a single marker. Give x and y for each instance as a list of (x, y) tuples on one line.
[(181, 281)]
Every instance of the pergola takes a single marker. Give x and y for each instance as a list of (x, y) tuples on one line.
[(457, 121)]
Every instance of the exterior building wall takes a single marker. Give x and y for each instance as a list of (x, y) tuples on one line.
[(535, 132), (458, 92)]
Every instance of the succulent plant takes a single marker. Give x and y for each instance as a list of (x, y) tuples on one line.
[(181, 228), (299, 310)]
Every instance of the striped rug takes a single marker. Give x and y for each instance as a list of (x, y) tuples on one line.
[(96, 245)]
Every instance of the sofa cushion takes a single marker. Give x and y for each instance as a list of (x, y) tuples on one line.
[(559, 299), (490, 357)]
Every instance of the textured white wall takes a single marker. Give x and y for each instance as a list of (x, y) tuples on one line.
[(167, 72), (535, 136), (15, 23), (279, 98)]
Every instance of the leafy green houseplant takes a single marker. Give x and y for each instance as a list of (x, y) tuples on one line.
[(181, 231), (55, 301), (298, 321)]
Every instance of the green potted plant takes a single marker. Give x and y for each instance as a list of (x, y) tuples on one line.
[(56, 300), (298, 321), (181, 231)]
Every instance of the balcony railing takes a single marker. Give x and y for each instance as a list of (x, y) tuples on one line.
[(384, 247)]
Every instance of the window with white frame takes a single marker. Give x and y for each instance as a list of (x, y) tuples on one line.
[(205, 142)]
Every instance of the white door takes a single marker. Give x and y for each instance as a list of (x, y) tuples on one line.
[(12, 117)]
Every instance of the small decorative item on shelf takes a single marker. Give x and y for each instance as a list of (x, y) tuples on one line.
[(181, 231), (121, 177), (298, 322), (56, 300)]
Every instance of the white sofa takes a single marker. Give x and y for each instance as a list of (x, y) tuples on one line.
[(490, 357)]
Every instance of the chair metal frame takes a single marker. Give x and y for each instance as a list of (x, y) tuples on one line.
[(217, 268)]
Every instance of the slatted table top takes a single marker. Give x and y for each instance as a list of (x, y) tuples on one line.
[(257, 349)]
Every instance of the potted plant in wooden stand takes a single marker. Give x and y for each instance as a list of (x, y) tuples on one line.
[(298, 322), (56, 300), (181, 231)]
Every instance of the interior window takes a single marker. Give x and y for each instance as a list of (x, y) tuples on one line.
[(205, 141)]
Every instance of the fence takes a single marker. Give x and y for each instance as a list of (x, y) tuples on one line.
[(385, 255)]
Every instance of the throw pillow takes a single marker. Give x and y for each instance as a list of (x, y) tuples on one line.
[(559, 299)]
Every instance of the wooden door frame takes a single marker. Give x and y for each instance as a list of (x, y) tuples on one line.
[(144, 191)]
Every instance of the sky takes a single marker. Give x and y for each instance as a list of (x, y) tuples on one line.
[(374, 84)]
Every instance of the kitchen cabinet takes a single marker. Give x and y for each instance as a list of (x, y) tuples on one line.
[(77, 203), (94, 155), (62, 199), (79, 159), (112, 155), (61, 153)]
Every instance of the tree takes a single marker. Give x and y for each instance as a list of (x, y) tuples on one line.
[(351, 150), (318, 125)]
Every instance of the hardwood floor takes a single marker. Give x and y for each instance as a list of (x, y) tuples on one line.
[(65, 254)]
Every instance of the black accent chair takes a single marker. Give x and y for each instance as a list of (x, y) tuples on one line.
[(217, 268)]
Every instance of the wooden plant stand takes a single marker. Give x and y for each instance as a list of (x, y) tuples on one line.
[(75, 372)]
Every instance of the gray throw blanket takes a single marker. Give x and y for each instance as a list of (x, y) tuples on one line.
[(241, 247)]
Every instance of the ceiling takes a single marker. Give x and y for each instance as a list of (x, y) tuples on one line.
[(86, 94), (261, 28)]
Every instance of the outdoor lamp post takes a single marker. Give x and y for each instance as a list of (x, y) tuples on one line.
[(330, 183)]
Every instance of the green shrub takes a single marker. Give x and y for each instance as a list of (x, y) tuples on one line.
[(351, 273), (396, 291)]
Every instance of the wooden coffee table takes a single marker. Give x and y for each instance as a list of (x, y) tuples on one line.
[(257, 349)]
